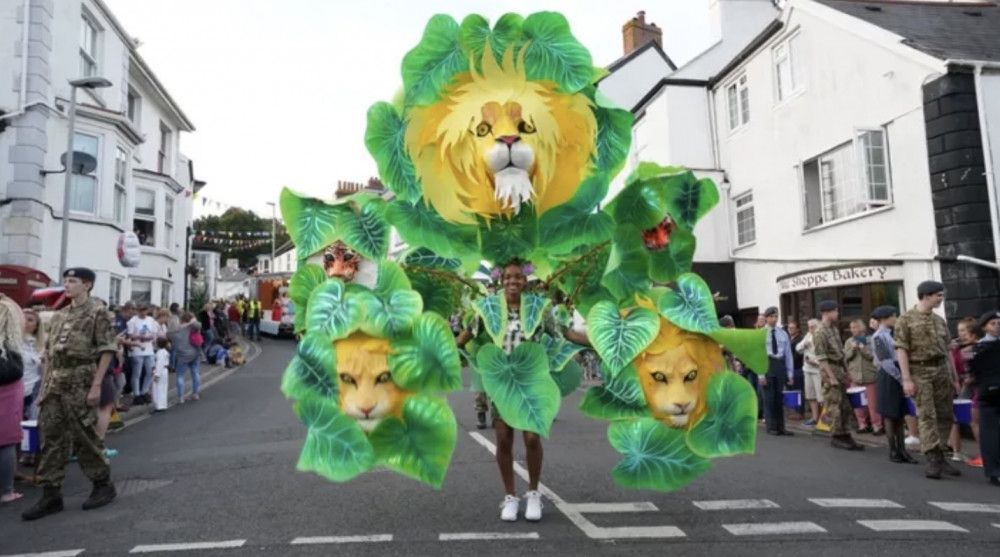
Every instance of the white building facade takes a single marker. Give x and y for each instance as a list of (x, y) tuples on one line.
[(142, 182)]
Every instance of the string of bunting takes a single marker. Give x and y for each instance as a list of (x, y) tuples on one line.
[(230, 241), (235, 234)]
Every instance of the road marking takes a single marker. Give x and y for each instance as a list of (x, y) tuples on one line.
[(996, 525), (857, 503), (597, 508), (911, 526), (63, 553), (767, 528), (576, 517), (342, 539), (643, 532), (467, 536), (230, 544), (967, 507), (735, 504)]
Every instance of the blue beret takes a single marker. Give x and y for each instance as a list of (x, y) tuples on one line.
[(929, 287), (827, 305), (987, 317), (82, 273), (770, 311), (884, 312)]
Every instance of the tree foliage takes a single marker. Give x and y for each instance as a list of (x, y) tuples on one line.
[(238, 220)]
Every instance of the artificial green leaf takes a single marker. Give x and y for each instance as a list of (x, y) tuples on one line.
[(730, 426), (568, 379), (367, 231), (559, 351), (614, 137), (675, 259), (641, 204), (311, 223), (620, 398), (384, 140), (520, 386), (569, 226), (563, 316), (599, 74), (492, 312), (532, 312), (423, 257), (656, 457), (440, 295), (748, 345), (430, 67), (690, 305), (689, 198), (419, 225), (647, 170), (391, 278), (628, 266), (475, 378), (475, 33), (428, 360), (552, 53), (306, 279), (390, 310), (421, 445), (332, 311), (313, 370), (619, 339), (504, 239), (335, 447)]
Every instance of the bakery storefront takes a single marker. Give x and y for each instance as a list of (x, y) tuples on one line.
[(857, 288)]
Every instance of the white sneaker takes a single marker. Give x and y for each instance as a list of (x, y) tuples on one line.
[(533, 506), (911, 441), (508, 509)]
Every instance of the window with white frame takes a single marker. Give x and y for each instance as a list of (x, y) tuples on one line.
[(142, 291), (114, 291), (144, 216), (789, 77), (850, 179), (164, 149), (121, 184), (165, 288), (168, 223), (738, 98), (134, 107), (746, 225), (89, 34), (84, 187)]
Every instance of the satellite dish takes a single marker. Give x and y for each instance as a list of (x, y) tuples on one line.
[(83, 163)]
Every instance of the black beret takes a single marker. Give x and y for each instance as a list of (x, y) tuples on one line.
[(827, 305), (884, 312), (929, 287), (770, 311), (987, 317), (82, 273), (727, 321)]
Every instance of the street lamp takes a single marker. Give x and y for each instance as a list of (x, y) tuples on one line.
[(84, 83), (274, 222)]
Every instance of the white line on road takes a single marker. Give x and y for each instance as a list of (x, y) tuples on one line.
[(857, 503), (735, 504), (769, 528), (63, 553), (467, 536), (598, 508), (967, 507), (230, 544), (910, 526), (643, 532), (342, 539)]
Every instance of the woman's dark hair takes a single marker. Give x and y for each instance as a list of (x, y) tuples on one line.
[(162, 343), (972, 325)]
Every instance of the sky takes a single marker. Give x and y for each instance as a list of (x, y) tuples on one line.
[(278, 90)]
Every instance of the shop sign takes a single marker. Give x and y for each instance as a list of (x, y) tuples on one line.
[(841, 277)]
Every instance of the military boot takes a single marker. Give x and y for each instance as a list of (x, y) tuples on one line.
[(907, 457), (934, 468), (50, 503), (894, 454), (948, 469), (481, 417), (102, 494), (842, 442)]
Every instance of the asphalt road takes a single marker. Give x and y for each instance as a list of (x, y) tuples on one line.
[(221, 473)]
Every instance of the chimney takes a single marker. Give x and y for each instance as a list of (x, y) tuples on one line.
[(636, 33)]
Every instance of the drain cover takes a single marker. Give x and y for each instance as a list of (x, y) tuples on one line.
[(131, 487)]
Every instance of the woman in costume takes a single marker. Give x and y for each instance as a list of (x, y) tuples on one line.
[(891, 402), (513, 280)]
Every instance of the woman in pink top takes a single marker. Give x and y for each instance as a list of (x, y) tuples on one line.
[(961, 352), (11, 396)]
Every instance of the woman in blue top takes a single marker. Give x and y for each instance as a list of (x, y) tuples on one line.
[(891, 401)]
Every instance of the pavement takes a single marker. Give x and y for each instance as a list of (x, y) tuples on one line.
[(217, 478)]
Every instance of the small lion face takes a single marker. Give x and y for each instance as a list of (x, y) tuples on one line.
[(503, 139), (670, 383), (366, 390)]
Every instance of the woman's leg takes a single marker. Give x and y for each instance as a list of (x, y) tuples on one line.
[(195, 378), (534, 454), (104, 419), (8, 465), (505, 454), (147, 374), (872, 393), (136, 368), (179, 380)]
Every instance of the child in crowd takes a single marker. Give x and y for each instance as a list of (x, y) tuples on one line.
[(160, 375)]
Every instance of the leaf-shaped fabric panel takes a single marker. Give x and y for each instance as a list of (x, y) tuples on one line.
[(492, 312), (532, 312), (675, 259), (305, 280), (689, 198), (314, 368), (569, 378), (620, 397), (423, 257), (384, 140), (475, 32), (428, 360), (520, 386), (421, 445), (433, 64), (641, 204), (730, 427), (332, 311), (690, 305), (335, 447), (748, 345), (628, 266), (419, 225), (390, 315), (552, 53), (655, 456), (614, 137), (559, 351), (439, 294), (646, 170), (367, 231), (619, 339), (505, 239), (312, 224)]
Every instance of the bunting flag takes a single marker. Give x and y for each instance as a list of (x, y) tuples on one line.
[(236, 234), (243, 243)]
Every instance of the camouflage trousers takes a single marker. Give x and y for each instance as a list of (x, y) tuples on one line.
[(65, 421), (935, 405), (483, 403), (837, 406)]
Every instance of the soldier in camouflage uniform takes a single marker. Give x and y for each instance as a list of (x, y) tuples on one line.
[(921, 339), (830, 354), (78, 348)]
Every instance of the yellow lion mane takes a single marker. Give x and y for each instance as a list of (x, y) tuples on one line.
[(441, 140)]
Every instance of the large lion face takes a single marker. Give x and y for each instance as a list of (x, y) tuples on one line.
[(496, 141)]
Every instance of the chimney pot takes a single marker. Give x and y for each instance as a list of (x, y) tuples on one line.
[(641, 16), (636, 33)]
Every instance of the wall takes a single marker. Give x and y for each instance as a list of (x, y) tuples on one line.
[(630, 82)]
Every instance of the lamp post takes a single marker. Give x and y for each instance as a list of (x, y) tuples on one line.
[(85, 83), (274, 222)]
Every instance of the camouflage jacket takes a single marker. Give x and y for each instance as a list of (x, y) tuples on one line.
[(77, 336), (924, 337)]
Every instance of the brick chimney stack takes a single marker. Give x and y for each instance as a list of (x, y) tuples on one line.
[(636, 33)]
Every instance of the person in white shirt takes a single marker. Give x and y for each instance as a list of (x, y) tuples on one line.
[(811, 375), (142, 331), (160, 375)]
